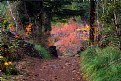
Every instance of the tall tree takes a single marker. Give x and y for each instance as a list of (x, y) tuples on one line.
[(92, 20)]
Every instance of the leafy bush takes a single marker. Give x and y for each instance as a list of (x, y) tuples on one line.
[(101, 64), (42, 51), (8, 44), (7, 66)]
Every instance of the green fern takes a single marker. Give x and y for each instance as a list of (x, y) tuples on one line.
[(43, 52)]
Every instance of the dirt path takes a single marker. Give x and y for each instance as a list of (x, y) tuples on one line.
[(62, 69)]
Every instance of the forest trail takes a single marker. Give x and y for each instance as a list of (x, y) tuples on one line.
[(60, 69)]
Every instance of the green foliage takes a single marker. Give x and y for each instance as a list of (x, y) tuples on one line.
[(55, 20), (5, 39), (110, 18), (101, 64), (6, 66), (7, 54), (3, 79), (3, 6), (42, 51)]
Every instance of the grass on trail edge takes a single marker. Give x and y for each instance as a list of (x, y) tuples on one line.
[(101, 64)]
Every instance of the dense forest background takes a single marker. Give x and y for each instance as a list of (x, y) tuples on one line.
[(89, 29), (43, 14)]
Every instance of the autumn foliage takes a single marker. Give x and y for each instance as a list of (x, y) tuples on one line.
[(68, 37), (28, 28)]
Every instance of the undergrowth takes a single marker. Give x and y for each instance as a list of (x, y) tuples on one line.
[(42, 51), (101, 64)]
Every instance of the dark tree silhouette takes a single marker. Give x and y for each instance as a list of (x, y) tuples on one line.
[(92, 20)]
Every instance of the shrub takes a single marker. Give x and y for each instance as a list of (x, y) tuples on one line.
[(7, 66), (42, 51), (8, 42), (101, 64)]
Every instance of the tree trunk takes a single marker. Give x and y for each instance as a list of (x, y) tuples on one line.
[(117, 26), (92, 20), (16, 23), (39, 23)]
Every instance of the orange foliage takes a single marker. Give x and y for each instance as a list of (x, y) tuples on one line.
[(28, 28), (69, 35), (12, 28), (17, 36)]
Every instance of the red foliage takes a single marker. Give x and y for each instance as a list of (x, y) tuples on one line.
[(68, 36)]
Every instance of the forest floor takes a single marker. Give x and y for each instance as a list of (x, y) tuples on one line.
[(59, 69)]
